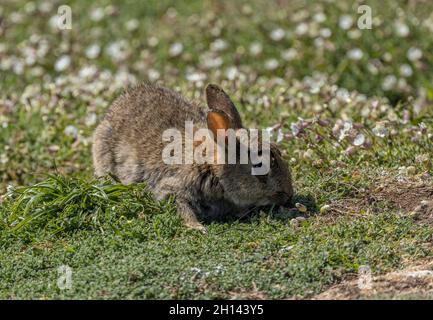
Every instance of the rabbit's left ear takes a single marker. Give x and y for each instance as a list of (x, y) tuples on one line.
[(218, 100), (218, 121)]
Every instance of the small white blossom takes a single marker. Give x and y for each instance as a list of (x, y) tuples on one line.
[(18, 67), (406, 70), (117, 50), (256, 48), (319, 17), (153, 74), (343, 94), (97, 14), (280, 136), (301, 29), (88, 71), (355, 54), (132, 24), (91, 119), (325, 32), (380, 130), (295, 128), (62, 63), (389, 82), (195, 76), (176, 49), (277, 34), (271, 64), (345, 22), (414, 54), (210, 62), (289, 54), (218, 45), (359, 140), (232, 73), (93, 51), (401, 29), (71, 131)]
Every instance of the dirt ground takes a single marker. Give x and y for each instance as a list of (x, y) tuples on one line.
[(415, 280)]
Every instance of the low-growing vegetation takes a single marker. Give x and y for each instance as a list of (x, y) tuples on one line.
[(351, 108)]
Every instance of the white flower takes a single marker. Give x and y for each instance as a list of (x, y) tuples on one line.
[(53, 22), (10, 189), (256, 48), (295, 128), (232, 73), (91, 119), (359, 140), (62, 63), (97, 14), (289, 54), (319, 42), (153, 41), (271, 64), (210, 62), (355, 54), (301, 29), (93, 51), (277, 34), (347, 126), (88, 71), (319, 17), (195, 76), (345, 22), (117, 50), (379, 130), (132, 24), (414, 54), (401, 29), (176, 49), (218, 45), (372, 68), (343, 94), (4, 158), (406, 70), (389, 82), (71, 131), (153, 74), (280, 136), (325, 32), (18, 67)]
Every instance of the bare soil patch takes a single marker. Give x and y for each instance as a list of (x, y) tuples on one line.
[(414, 282), (405, 196)]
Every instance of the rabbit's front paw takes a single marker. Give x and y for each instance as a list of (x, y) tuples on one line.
[(196, 226)]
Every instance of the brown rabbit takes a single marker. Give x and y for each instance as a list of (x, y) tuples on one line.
[(128, 144)]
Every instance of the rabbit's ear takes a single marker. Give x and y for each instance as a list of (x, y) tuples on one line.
[(218, 100), (217, 121)]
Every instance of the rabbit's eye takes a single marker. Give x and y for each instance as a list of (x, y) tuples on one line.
[(273, 161)]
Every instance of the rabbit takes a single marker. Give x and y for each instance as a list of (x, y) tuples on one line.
[(127, 144)]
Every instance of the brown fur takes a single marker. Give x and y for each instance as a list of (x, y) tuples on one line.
[(128, 144)]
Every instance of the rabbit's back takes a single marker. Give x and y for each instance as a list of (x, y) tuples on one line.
[(128, 142)]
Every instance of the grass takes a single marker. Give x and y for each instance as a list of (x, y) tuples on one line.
[(346, 126), (151, 256)]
